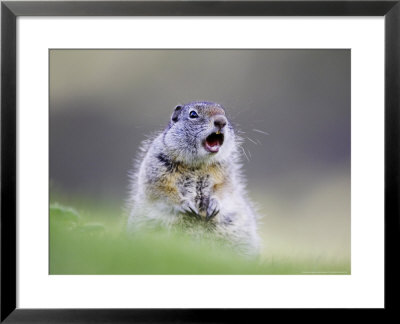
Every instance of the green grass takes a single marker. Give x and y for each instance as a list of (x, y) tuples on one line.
[(95, 243)]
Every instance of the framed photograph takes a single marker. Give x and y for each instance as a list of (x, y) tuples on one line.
[(197, 160)]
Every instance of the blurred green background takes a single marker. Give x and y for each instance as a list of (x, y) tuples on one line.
[(293, 109)]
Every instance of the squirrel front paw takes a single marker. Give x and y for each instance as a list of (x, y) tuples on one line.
[(189, 208), (212, 209)]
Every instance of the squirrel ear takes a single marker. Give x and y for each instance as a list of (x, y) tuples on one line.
[(176, 113)]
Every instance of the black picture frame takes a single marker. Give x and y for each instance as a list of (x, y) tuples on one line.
[(10, 10)]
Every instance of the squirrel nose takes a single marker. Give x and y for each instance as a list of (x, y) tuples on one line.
[(220, 122)]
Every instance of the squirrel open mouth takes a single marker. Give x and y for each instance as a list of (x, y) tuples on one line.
[(213, 142)]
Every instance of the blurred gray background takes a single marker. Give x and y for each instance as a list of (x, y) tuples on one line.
[(293, 107)]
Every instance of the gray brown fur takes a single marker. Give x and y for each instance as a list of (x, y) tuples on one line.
[(178, 183)]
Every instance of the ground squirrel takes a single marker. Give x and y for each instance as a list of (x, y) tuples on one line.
[(189, 175)]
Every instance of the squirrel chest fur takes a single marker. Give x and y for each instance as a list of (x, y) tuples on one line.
[(182, 183), (190, 175)]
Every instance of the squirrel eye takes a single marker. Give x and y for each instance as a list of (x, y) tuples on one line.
[(193, 114)]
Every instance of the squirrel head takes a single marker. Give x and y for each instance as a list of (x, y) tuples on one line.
[(199, 132)]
